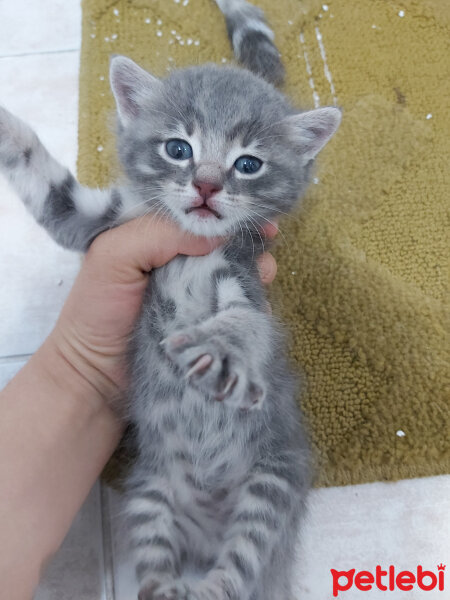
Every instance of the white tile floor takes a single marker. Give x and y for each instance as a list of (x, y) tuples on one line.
[(404, 524)]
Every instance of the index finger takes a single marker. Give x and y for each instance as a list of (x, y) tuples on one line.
[(270, 229), (133, 249)]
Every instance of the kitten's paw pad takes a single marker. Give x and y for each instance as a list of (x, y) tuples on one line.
[(217, 586), (16, 140), (173, 590), (255, 395), (228, 386), (146, 591), (175, 342), (248, 396), (200, 365), (201, 358), (215, 367)]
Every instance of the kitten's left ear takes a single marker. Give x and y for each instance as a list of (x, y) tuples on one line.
[(311, 130), (132, 87)]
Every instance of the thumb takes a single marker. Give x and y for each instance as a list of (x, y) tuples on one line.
[(127, 253)]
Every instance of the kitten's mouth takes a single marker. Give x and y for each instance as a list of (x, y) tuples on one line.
[(203, 211)]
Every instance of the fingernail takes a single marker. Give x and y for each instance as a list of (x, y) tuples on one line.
[(271, 229), (262, 271)]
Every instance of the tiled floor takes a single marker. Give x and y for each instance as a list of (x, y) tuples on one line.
[(404, 524)]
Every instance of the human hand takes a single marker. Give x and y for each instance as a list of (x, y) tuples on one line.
[(98, 318)]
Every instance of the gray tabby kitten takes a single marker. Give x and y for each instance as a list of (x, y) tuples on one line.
[(222, 474)]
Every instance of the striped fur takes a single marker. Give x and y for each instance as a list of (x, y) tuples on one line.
[(222, 474), (71, 213), (252, 39)]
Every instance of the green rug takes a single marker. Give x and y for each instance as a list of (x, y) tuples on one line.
[(363, 266)]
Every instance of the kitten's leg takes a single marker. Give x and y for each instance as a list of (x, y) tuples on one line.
[(72, 214), (261, 534), (252, 39), (264, 522), (227, 355), (155, 542)]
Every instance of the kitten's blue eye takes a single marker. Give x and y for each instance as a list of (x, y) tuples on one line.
[(179, 149), (248, 164)]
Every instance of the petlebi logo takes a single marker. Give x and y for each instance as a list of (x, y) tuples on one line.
[(388, 580)]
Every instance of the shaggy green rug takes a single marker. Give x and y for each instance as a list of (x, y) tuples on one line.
[(363, 266)]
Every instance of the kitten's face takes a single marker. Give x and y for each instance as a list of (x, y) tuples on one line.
[(216, 183), (213, 148)]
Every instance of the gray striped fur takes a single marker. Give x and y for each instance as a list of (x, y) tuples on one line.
[(222, 473), (252, 39)]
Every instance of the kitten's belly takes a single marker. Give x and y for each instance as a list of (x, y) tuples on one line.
[(206, 474), (203, 447), (187, 281), (202, 518)]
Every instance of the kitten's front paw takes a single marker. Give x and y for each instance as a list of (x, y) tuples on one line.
[(215, 366), (217, 585), (171, 590), (16, 140)]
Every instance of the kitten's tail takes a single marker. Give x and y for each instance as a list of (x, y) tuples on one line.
[(252, 39), (71, 213)]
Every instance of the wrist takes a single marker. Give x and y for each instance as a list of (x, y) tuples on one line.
[(57, 432), (66, 365)]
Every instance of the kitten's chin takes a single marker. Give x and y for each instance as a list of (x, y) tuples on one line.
[(209, 226)]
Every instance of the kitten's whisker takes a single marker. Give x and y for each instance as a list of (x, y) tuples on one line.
[(160, 212), (158, 206), (135, 206), (253, 244), (242, 235), (273, 137), (272, 208), (275, 225), (258, 133), (257, 227), (183, 116), (171, 120)]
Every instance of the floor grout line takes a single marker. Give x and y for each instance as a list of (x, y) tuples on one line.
[(14, 358), (39, 53), (316, 97), (326, 69), (108, 557)]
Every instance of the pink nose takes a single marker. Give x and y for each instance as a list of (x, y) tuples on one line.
[(207, 189)]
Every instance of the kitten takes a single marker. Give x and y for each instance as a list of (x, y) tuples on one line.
[(220, 483)]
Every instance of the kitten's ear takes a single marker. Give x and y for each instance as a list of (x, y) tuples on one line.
[(132, 87), (311, 130)]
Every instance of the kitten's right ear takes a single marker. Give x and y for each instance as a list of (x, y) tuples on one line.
[(312, 129), (132, 87)]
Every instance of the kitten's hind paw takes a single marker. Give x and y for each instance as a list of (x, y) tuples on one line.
[(215, 366), (173, 590), (16, 140)]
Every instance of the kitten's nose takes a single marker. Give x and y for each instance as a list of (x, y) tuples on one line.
[(206, 188)]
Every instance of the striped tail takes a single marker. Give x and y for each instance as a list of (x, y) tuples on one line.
[(71, 213), (252, 39)]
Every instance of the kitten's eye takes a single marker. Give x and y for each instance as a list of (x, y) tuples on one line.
[(248, 164), (179, 149)]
